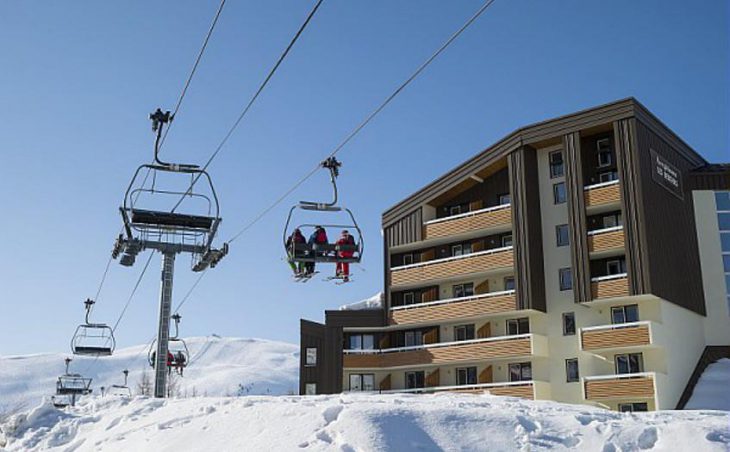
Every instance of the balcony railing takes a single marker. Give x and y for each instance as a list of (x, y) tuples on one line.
[(602, 194), (522, 345), (606, 239), (451, 267), (454, 308), (476, 220), (610, 286), (620, 386), (524, 389), (620, 335)]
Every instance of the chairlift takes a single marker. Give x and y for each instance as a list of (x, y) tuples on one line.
[(324, 253), (121, 390), (72, 385), (93, 339), (181, 227), (178, 354)]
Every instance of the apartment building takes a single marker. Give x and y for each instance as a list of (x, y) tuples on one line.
[(584, 259)]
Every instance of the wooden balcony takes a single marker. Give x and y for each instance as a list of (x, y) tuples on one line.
[(524, 389), (453, 267), (610, 286), (606, 193), (618, 336), (444, 353), (492, 217), (609, 239), (454, 308), (617, 387)]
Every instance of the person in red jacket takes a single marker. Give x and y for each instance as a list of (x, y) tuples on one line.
[(343, 268)]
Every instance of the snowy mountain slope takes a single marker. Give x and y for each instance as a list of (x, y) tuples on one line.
[(360, 422), (712, 391), (218, 366)]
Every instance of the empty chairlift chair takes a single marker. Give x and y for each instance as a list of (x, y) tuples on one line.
[(93, 339), (121, 390), (70, 386)]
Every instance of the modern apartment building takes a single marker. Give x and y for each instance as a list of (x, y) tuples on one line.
[(584, 259)]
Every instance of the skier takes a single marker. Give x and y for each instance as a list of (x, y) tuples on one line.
[(318, 237), (296, 237), (343, 268), (180, 362)]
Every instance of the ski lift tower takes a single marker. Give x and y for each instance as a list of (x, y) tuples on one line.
[(188, 225)]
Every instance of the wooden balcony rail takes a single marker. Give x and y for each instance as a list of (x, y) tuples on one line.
[(454, 308), (469, 222), (450, 267), (606, 239), (441, 353), (603, 193), (524, 389), (632, 334), (622, 386), (610, 286)]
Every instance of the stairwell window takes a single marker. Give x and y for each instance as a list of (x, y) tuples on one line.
[(625, 314), (310, 389), (629, 363), (612, 220), (464, 332), (509, 283), (571, 370), (415, 379), (560, 196), (633, 407), (413, 338), (557, 167), (607, 176), (409, 298), (407, 259), (562, 235), (568, 324), (520, 372), (462, 290), (505, 198), (362, 382), (362, 342), (518, 326), (604, 153), (615, 267), (466, 376), (565, 277), (310, 358), (507, 240)]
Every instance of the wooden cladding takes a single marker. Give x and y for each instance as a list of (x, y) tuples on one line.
[(606, 241), (616, 337), (469, 223), (620, 388), (526, 391), (451, 268), (579, 255), (485, 376), (433, 378), (386, 383), (407, 229), (478, 351), (472, 307), (609, 288), (608, 194)]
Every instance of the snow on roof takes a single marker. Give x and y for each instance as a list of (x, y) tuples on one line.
[(711, 391), (374, 302)]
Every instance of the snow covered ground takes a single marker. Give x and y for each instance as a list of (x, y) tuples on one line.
[(713, 388), (362, 422), (217, 367)]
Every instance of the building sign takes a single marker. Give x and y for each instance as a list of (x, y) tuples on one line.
[(666, 174)]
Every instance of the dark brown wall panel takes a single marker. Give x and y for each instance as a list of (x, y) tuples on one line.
[(406, 230), (488, 192), (577, 218), (312, 335)]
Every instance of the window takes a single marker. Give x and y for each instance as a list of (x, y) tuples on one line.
[(633, 407), (559, 194), (568, 324), (362, 342), (520, 372), (615, 267), (409, 298), (362, 382), (722, 201), (557, 168), (625, 314), (464, 332), (463, 290), (565, 276), (454, 210), (507, 240), (518, 326), (413, 338), (407, 259), (604, 153), (562, 235), (461, 250), (466, 376), (310, 356), (613, 220), (607, 176), (571, 370), (415, 379), (509, 283), (629, 363), (310, 389), (505, 198)]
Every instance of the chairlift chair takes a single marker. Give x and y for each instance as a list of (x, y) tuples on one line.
[(70, 384), (121, 390), (324, 253), (177, 349), (93, 339)]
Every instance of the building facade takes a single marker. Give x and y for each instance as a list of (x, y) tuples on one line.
[(582, 259)]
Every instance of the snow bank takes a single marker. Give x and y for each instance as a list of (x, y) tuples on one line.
[(374, 302), (712, 391), (366, 422)]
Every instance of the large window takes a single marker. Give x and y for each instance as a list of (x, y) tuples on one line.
[(413, 338), (571, 370), (562, 235), (310, 356), (559, 194), (462, 290), (568, 324), (565, 278), (466, 376), (460, 250), (415, 379), (604, 152), (557, 168), (625, 314), (722, 200), (629, 363), (616, 267), (518, 326), (310, 389), (520, 372), (633, 407), (362, 342), (362, 382), (464, 332)]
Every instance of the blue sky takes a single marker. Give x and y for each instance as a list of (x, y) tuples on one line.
[(78, 79)]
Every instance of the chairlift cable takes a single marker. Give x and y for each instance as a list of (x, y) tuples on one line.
[(134, 290)]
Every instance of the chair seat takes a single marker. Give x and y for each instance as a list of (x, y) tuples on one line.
[(155, 218), (87, 350)]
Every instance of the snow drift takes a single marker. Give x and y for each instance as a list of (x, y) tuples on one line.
[(374, 302), (712, 391)]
